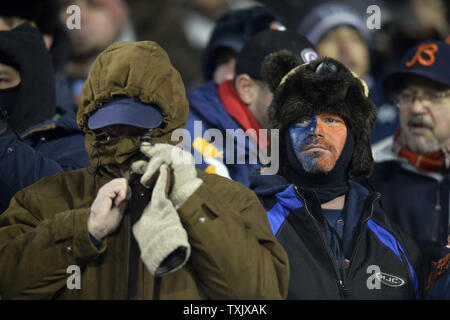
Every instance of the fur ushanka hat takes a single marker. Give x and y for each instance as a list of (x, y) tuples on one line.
[(321, 86)]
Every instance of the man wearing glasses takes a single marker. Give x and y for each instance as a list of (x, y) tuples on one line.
[(412, 172)]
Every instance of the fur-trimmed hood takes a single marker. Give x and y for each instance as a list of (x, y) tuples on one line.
[(321, 86)]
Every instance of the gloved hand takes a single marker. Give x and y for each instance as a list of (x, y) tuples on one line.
[(159, 233), (181, 162)]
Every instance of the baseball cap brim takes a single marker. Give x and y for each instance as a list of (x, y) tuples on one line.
[(126, 111), (392, 80)]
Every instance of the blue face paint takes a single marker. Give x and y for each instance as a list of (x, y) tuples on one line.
[(299, 134)]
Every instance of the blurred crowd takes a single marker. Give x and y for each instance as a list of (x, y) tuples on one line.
[(186, 29)]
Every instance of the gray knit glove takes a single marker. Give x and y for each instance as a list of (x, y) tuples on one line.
[(159, 233), (180, 161)]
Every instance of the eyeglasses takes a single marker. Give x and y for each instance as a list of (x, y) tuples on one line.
[(427, 98)]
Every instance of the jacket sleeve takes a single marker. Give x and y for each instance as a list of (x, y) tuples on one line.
[(35, 253), (20, 166), (234, 252)]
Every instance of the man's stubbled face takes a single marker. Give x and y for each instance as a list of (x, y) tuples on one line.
[(318, 141)]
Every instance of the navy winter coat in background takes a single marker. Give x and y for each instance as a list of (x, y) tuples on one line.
[(46, 149), (418, 202)]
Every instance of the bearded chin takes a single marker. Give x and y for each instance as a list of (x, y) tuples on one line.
[(316, 162), (422, 145)]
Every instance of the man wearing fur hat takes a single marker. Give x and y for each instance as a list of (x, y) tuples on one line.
[(239, 105), (190, 235), (339, 241)]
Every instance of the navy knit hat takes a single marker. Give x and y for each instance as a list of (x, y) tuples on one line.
[(325, 17), (430, 59), (233, 30), (251, 57)]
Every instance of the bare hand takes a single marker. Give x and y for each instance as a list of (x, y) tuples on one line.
[(108, 208)]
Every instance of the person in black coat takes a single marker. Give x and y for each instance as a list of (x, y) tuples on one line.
[(340, 243), (413, 169)]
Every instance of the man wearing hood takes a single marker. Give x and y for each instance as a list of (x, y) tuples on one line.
[(339, 241), (35, 141), (200, 236)]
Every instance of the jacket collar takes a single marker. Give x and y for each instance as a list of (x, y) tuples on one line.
[(267, 185), (358, 209), (66, 122), (359, 203), (357, 200)]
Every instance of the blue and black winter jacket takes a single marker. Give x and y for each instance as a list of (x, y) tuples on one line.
[(382, 262)]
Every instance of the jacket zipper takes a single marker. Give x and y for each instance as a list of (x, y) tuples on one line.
[(363, 223), (340, 282), (128, 257), (437, 206)]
